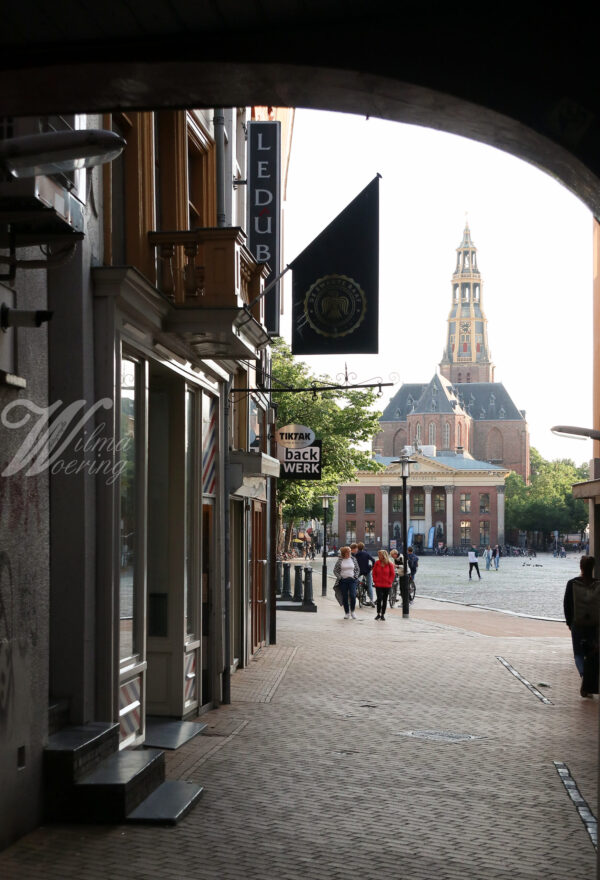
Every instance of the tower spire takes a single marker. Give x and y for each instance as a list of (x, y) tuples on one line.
[(467, 357)]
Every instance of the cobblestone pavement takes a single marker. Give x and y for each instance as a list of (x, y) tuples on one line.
[(312, 771), (533, 586)]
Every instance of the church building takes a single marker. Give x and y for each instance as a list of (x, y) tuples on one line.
[(462, 428)]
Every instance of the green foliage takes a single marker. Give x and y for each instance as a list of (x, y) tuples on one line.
[(548, 502), (340, 419)]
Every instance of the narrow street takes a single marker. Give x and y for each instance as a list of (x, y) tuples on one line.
[(356, 749)]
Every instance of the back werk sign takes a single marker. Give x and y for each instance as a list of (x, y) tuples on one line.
[(335, 287), (299, 453)]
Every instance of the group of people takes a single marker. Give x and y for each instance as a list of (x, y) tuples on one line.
[(491, 555), (354, 561)]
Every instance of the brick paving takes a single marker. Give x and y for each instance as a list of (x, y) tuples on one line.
[(309, 772)]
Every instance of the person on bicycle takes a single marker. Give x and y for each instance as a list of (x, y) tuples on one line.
[(365, 564), (413, 561), (384, 572)]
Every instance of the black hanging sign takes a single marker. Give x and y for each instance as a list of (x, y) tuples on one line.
[(335, 287)]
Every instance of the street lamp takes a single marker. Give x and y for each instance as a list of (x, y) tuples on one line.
[(405, 462), (325, 503)]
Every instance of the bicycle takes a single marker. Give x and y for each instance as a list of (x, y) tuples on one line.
[(362, 595), (395, 590)]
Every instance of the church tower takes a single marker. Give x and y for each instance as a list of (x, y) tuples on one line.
[(467, 356)]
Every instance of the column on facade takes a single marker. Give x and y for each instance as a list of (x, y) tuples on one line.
[(385, 516), (449, 516), (428, 522), (500, 491)]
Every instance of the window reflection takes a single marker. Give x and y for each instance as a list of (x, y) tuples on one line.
[(128, 508)]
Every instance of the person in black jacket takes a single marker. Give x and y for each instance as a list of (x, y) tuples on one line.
[(582, 606), (365, 564)]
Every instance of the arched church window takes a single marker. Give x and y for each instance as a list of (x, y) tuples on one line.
[(446, 436), (418, 434), (459, 435), (468, 377), (459, 377), (431, 434)]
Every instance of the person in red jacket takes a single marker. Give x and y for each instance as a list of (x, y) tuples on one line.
[(383, 578)]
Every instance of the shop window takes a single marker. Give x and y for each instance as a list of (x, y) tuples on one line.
[(484, 502), (465, 502), (351, 503), (129, 513), (369, 531), (370, 503), (256, 427)]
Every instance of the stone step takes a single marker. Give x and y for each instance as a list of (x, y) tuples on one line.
[(118, 785), (74, 751), (168, 804)]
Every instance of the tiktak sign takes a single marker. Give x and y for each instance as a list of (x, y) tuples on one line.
[(299, 453)]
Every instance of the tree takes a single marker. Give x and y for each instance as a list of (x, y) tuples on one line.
[(547, 503), (342, 419)]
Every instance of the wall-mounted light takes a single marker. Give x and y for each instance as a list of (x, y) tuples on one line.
[(575, 433), (55, 152), (22, 317)]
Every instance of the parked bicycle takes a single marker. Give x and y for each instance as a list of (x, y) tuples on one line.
[(396, 594), (362, 595)]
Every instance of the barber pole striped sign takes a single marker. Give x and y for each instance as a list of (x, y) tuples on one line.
[(209, 446)]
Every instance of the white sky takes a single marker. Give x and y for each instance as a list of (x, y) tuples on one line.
[(534, 249)]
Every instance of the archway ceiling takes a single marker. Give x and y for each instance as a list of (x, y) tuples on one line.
[(524, 81)]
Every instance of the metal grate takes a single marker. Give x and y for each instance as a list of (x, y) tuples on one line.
[(447, 736)]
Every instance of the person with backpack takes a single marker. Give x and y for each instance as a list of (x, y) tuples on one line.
[(413, 561), (581, 606)]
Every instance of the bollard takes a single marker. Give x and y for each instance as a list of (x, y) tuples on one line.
[(279, 576), (298, 584), (286, 594), (308, 586)]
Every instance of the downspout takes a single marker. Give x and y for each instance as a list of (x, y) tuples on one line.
[(219, 130)]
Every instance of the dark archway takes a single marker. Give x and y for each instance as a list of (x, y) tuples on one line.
[(525, 83)]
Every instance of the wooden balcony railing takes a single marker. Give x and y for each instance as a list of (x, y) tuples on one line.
[(209, 268)]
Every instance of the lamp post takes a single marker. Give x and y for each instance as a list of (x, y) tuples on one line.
[(406, 462), (325, 503)]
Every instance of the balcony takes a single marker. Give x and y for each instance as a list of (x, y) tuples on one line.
[(211, 278)]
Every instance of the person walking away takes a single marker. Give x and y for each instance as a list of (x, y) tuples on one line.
[(487, 555), (473, 564), (365, 564), (413, 561), (581, 606), (384, 573), (346, 572), (496, 556)]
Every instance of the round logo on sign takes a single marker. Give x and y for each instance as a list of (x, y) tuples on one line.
[(335, 305), (295, 436)]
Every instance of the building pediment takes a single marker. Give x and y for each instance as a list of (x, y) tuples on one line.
[(422, 466)]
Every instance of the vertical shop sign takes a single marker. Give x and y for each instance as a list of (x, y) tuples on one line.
[(264, 208)]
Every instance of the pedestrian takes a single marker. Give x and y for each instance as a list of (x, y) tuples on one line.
[(346, 572), (487, 555), (473, 564), (413, 561), (581, 606), (496, 555), (365, 564), (384, 572)]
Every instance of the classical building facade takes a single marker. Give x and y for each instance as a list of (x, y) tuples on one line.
[(453, 500), (462, 408)]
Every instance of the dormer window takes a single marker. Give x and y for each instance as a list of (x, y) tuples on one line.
[(502, 413)]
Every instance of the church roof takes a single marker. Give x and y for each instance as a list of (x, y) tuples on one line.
[(402, 402), (488, 401), (481, 400)]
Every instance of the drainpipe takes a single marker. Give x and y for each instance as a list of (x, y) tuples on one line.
[(227, 544), (219, 129)]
